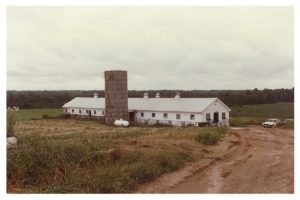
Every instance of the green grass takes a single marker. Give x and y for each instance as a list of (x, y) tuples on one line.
[(27, 114), (278, 110), (245, 121), (70, 156), (48, 165), (210, 136), (257, 114)]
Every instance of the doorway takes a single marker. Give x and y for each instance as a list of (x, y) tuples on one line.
[(131, 116), (216, 117)]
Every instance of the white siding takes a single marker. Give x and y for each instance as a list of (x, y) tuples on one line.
[(171, 119), (185, 117), (216, 107), (99, 112)]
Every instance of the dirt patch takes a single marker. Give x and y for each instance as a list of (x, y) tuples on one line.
[(249, 160)]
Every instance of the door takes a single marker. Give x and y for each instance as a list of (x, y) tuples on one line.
[(216, 117), (131, 116), (90, 113)]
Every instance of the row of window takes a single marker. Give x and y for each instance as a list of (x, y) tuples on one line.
[(87, 111), (208, 116), (192, 117)]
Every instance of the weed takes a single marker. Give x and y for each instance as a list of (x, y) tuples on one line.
[(76, 164), (244, 121), (211, 136), (11, 115)]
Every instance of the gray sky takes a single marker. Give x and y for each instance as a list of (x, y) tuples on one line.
[(160, 47)]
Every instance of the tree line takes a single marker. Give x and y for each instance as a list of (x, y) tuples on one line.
[(55, 99)]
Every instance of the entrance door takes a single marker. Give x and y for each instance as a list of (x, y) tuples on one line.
[(131, 116), (90, 113), (216, 117)]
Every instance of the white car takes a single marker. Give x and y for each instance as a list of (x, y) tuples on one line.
[(270, 123)]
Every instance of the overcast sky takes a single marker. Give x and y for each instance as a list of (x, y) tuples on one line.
[(53, 48)]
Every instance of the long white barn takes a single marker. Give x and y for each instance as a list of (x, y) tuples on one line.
[(173, 111)]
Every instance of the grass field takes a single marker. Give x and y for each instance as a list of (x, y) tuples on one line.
[(277, 110), (27, 114), (256, 114), (76, 156)]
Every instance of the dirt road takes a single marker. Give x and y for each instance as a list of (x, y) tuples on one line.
[(248, 160)]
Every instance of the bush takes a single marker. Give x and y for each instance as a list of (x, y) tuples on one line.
[(289, 124), (211, 136), (245, 121), (45, 116), (11, 115)]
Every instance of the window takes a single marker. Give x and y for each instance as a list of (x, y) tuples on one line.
[(66, 110), (192, 117), (79, 111), (95, 112), (153, 115), (142, 114), (72, 110), (86, 111), (165, 115), (208, 117), (103, 112), (223, 115), (177, 116)]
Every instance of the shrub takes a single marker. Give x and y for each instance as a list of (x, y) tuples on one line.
[(210, 136), (289, 124), (11, 115), (245, 121)]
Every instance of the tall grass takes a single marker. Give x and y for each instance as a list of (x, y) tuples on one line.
[(289, 124), (210, 136), (49, 165), (28, 114), (245, 121), (11, 115)]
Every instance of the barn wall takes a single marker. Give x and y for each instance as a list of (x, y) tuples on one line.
[(171, 120), (159, 116), (217, 107), (99, 112)]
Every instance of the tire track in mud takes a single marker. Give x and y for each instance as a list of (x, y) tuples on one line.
[(254, 161), (171, 180)]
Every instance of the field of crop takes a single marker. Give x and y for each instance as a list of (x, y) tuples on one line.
[(256, 114), (27, 114), (76, 156), (278, 110)]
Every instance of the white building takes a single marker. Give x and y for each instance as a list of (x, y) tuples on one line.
[(173, 111)]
